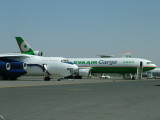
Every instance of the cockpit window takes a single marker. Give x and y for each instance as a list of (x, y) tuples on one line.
[(64, 60)]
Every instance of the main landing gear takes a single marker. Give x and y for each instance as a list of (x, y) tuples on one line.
[(47, 78)]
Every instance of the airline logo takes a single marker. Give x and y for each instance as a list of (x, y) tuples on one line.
[(95, 62), (25, 47)]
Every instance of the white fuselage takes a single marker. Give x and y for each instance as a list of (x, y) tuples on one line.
[(113, 65), (155, 72), (54, 66)]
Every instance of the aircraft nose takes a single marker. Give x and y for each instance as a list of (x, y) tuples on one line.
[(154, 65), (73, 69)]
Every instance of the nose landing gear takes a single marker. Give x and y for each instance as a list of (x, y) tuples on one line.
[(45, 73), (47, 78)]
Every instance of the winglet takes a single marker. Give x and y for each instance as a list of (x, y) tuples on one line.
[(24, 47)]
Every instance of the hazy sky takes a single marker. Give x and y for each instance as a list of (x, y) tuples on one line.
[(83, 28)]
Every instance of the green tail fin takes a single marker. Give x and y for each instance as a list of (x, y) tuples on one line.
[(24, 47)]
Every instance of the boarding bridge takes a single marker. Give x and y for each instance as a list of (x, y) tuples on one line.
[(139, 71)]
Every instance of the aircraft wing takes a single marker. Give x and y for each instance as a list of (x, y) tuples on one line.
[(10, 68), (14, 55)]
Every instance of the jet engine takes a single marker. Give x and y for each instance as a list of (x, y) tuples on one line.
[(18, 65), (12, 70), (4, 66), (84, 72), (38, 53), (13, 74)]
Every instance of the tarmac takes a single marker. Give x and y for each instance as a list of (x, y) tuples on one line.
[(85, 99)]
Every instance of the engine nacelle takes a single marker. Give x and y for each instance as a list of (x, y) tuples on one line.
[(38, 53), (84, 72), (12, 74), (15, 73), (4, 66), (18, 65)]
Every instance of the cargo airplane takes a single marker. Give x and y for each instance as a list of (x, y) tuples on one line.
[(88, 66), (113, 65)]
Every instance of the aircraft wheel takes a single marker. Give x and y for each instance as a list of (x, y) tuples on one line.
[(60, 79), (47, 79), (133, 78)]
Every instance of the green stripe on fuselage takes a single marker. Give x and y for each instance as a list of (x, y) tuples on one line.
[(118, 69)]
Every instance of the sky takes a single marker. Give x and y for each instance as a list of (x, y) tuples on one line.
[(83, 28)]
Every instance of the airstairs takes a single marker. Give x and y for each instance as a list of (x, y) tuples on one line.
[(139, 71)]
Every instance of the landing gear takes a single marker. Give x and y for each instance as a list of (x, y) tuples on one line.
[(73, 77), (133, 78), (47, 78), (45, 73), (60, 79)]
